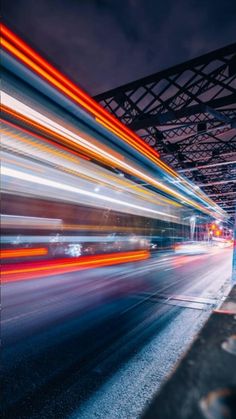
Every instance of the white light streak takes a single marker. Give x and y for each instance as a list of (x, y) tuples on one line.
[(36, 116), (53, 184)]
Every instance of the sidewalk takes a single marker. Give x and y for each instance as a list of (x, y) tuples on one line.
[(204, 383)]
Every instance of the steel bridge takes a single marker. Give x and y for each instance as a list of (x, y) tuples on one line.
[(188, 113)]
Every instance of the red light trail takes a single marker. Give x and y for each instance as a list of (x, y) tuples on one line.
[(26, 271)]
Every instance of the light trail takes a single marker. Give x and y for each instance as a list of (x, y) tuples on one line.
[(26, 271), (51, 183), (31, 116), (49, 73), (18, 253), (26, 55), (49, 150)]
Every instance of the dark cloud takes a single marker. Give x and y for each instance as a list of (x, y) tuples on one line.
[(102, 44)]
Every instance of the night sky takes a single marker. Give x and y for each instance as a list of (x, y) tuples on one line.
[(102, 44)]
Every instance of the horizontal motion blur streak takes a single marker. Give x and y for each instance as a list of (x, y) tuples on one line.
[(16, 253), (19, 272)]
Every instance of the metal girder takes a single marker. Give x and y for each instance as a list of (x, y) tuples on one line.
[(206, 166), (187, 113), (217, 183), (223, 194)]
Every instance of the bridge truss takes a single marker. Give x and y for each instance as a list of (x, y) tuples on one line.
[(188, 114)]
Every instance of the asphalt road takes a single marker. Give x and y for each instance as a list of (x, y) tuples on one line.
[(98, 343)]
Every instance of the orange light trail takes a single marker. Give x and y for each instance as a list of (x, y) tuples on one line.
[(18, 253), (149, 195), (45, 140), (22, 52), (43, 129), (26, 271), (65, 140), (160, 163), (87, 100)]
